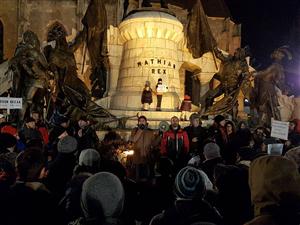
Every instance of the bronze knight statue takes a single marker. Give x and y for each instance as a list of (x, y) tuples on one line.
[(30, 75)]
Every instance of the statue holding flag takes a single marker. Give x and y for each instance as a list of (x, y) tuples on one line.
[(199, 36), (94, 36)]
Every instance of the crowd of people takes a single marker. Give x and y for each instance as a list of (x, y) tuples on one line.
[(224, 174)]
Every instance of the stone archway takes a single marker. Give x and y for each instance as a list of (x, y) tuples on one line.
[(189, 81)]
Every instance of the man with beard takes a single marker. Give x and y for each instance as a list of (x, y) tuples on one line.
[(142, 139)]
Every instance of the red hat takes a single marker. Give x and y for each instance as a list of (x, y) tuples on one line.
[(9, 130), (187, 97)]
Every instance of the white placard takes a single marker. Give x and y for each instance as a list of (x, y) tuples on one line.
[(10, 103), (161, 88), (275, 149), (280, 129)]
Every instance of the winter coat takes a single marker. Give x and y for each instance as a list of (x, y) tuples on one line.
[(142, 144), (208, 166), (44, 132), (175, 145), (234, 199), (186, 105), (196, 132), (70, 203), (185, 212), (27, 134), (32, 204), (219, 134), (147, 96), (89, 138), (275, 191), (60, 173)]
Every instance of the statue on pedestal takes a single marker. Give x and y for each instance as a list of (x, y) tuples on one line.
[(265, 84), (30, 73)]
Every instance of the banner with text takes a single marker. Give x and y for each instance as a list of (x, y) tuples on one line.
[(10, 103)]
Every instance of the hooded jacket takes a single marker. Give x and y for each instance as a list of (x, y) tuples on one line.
[(275, 191)]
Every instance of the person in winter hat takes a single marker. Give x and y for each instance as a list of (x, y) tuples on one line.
[(67, 145), (212, 158), (197, 134), (89, 162), (190, 189), (218, 132), (31, 201), (189, 184), (61, 168), (160, 89), (211, 151), (102, 199)]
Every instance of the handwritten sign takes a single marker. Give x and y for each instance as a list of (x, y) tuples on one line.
[(161, 88), (280, 129), (10, 103)]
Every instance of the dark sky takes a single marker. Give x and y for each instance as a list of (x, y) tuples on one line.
[(267, 25)]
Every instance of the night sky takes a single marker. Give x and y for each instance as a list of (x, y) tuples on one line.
[(267, 25)]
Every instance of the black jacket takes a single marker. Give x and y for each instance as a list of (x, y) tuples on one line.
[(185, 212)]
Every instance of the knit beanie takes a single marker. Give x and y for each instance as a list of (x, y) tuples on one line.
[(219, 118), (9, 130), (89, 157), (67, 144), (211, 151), (189, 183), (102, 196)]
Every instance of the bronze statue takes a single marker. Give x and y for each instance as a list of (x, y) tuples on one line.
[(94, 35), (265, 83), (233, 76), (30, 73), (72, 96)]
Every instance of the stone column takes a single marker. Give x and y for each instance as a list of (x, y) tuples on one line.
[(150, 52)]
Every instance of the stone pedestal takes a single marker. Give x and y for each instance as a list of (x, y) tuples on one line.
[(150, 52)]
